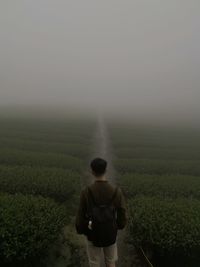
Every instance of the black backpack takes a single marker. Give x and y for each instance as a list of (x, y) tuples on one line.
[(104, 225)]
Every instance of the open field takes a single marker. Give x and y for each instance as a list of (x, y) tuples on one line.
[(159, 171), (42, 163)]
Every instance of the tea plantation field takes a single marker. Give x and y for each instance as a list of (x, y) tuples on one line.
[(42, 162), (159, 171)]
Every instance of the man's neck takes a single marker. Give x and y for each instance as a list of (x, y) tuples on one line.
[(101, 178)]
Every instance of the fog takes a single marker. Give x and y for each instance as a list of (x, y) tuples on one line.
[(136, 58)]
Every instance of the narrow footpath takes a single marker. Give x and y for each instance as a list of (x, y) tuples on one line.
[(102, 148)]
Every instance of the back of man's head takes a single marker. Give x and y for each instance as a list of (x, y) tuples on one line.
[(98, 166)]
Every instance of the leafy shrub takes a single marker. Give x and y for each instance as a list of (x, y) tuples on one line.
[(158, 166), (164, 151), (30, 158), (165, 225), (172, 186), (66, 148), (51, 130), (160, 172), (28, 226), (55, 183)]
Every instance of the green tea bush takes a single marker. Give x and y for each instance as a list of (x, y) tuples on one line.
[(55, 183), (165, 226), (28, 226), (158, 166), (67, 130), (163, 186), (164, 151), (71, 149), (40, 159)]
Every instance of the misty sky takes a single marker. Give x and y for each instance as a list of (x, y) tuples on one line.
[(142, 56)]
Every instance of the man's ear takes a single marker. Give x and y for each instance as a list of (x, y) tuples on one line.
[(93, 173)]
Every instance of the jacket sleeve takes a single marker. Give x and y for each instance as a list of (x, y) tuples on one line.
[(121, 211), (81, 222)]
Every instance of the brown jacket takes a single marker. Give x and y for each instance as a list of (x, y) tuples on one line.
[(102, 191)]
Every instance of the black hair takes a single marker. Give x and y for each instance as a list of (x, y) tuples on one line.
[(98, 166)]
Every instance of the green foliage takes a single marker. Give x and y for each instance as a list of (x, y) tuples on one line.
[(43, 130), (38, 159), (41, 158), (79, 150), (28, 225), (156, 150), (165, 152), (160, 175), (156, 166), (68, 137), (165, 225), (133, 141), (163, 186), (55, 183)]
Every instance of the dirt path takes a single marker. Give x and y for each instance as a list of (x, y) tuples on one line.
[(102, 148)]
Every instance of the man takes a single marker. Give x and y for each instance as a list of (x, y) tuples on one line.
[(101, 213)]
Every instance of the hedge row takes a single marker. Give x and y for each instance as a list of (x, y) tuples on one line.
[(165, 226), (55, 183), (71, 149), (158, 166), (28, 226), (164, 186), (30, 158)]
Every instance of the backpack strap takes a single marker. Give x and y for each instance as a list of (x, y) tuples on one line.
[(114, 195), (91, 196)]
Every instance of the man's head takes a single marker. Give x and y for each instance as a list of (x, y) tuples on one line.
[(98, 166)]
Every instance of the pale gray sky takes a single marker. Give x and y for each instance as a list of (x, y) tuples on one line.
[(142, 56)]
